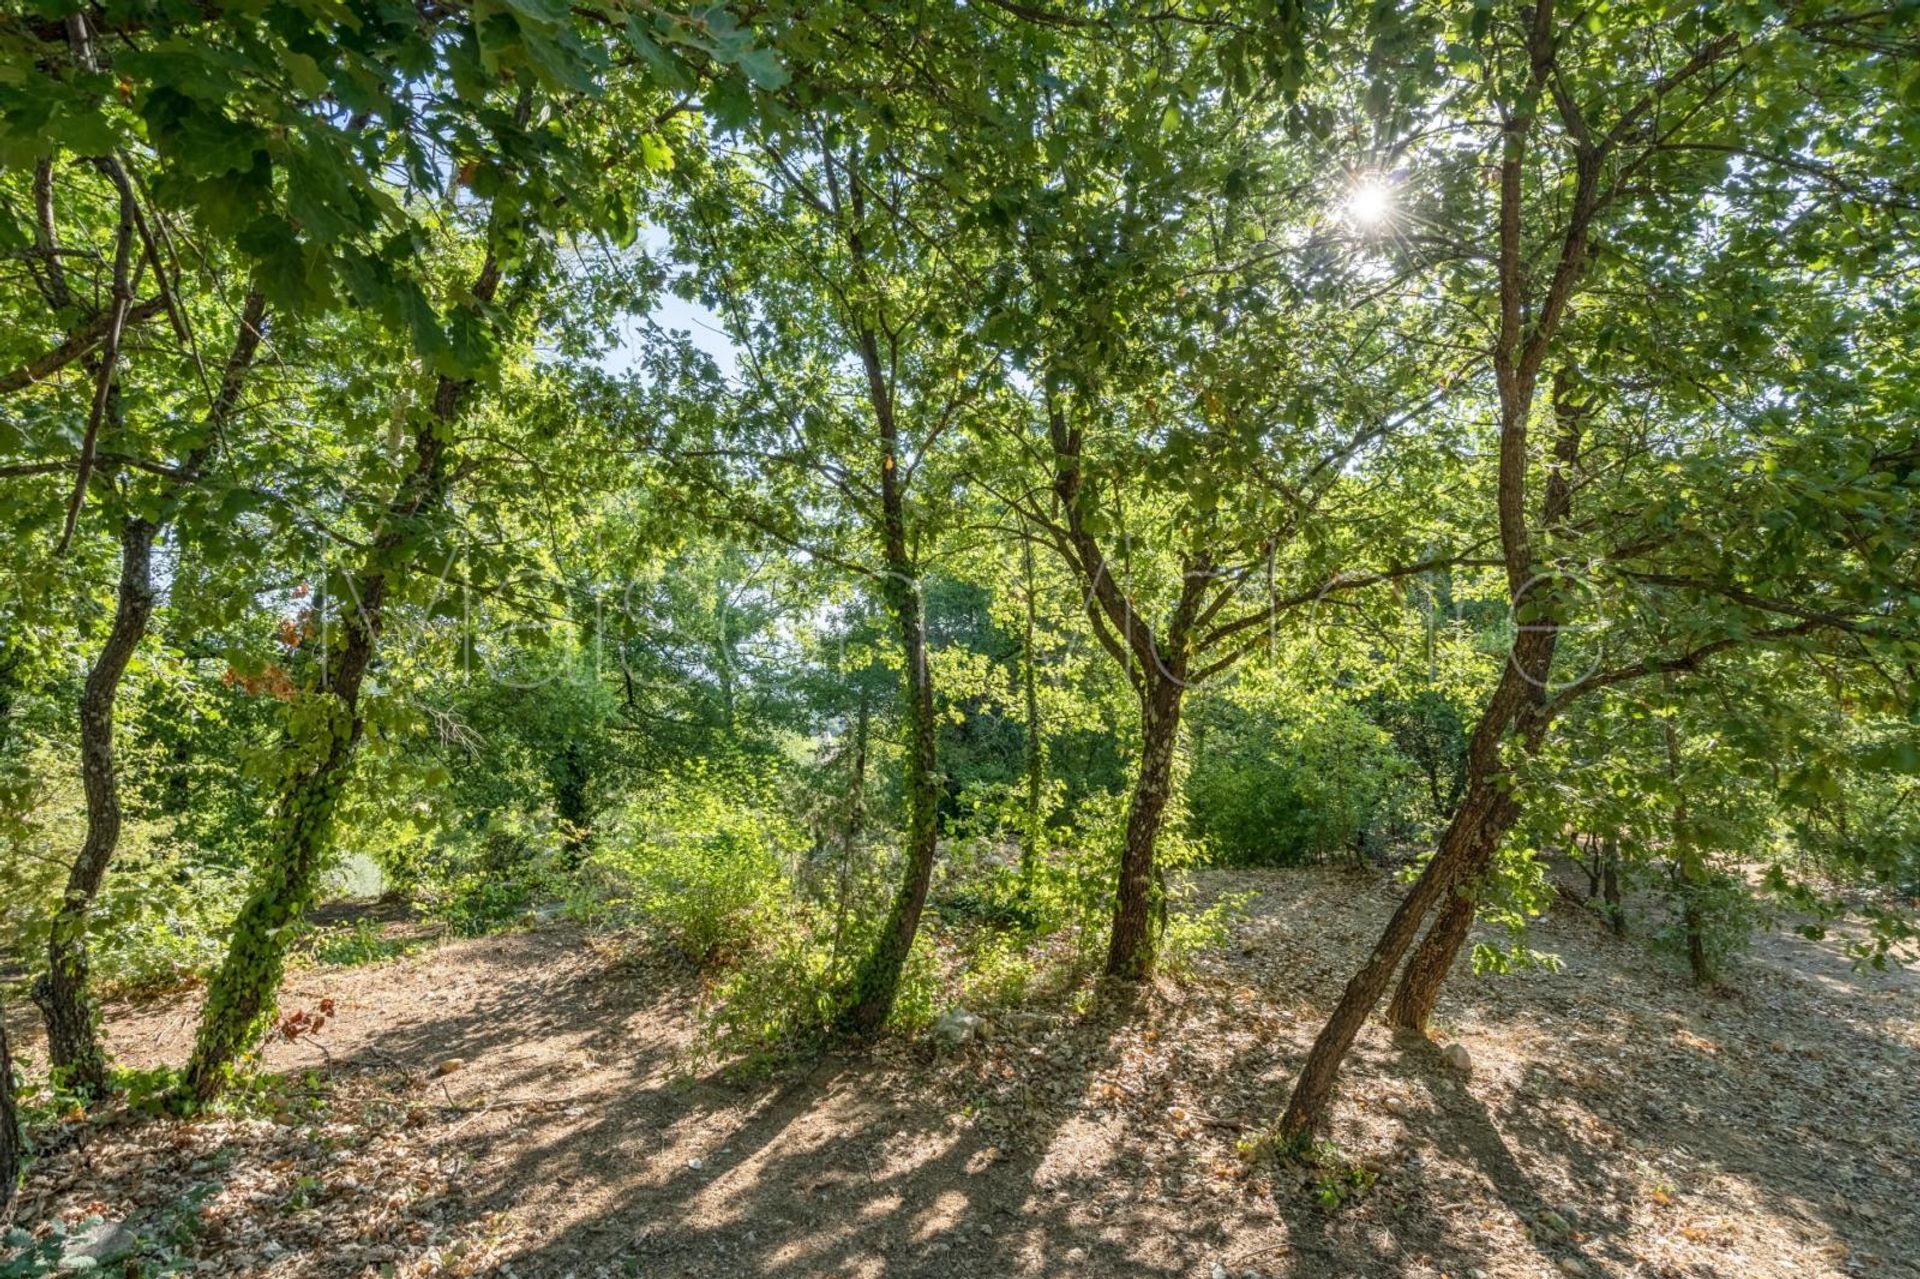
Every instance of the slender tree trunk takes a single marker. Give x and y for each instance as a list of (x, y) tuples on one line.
[(61, 991), (857, 780), (12, 1143), (1610, 885), (241, 997), (1485, 812), (1033, 838), (1428, 967), (856, 813), (1686, 858), (1139, 909), (1592, 863), (1489, 806), (1692, 919), (868, 999), (1481, 807), (876, 982)]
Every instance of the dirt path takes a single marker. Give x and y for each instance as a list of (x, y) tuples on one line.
[(1614, 1123)]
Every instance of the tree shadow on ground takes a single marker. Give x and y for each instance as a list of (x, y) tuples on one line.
[(571, 1137)]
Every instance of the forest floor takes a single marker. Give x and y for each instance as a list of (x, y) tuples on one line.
[(1614, 1122)]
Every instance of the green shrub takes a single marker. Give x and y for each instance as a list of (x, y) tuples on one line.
[(702, 861), (1284, 784), (351, 945)]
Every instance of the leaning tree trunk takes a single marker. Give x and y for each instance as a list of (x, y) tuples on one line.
[(12, 1144), (1486, 811), (1139, 909), (240, 998), (1426, 972), (1312, 1091), (1427, 968), (1429, 965), (72, 1042)]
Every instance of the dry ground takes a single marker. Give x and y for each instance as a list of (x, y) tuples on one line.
[(1614, 1123)]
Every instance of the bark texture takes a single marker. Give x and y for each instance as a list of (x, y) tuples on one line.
[(1428, 966), (1139, 909)]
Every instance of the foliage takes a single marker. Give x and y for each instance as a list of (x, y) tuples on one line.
[(703, 859), (351, 945), (1282, 779), (873, 498)]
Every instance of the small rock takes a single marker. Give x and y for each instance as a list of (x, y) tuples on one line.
[(1218, 1272), (1458, 1057), (1571, 1266), (1554, 1225), (448, 1066), (696, 1164), (102, 1241), (955, 1028)]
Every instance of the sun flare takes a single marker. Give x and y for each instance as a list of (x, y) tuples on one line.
[(1370, 202)]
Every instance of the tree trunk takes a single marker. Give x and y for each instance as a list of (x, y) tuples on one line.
[(856, 813), (857, 770), (868, 998), (12, 1143), (1426, 972), (1610, 885), (1488, 807), (1139, 910), (876, 982), (1427, 969), (1485, 812), (1690, 915), (241, 997), (61, 991), (1033, 838), (1686, 858)]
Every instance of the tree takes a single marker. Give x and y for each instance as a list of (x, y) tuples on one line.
[(62, 991), (1200, 389), (12, 1141), (1584, 166), (851, 389)]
